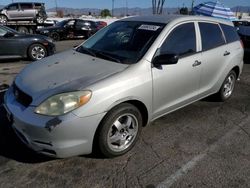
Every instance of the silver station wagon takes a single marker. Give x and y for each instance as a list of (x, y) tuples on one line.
[(100, 94)]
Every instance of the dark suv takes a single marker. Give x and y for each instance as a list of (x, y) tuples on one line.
[(23, 11), (70, 28)]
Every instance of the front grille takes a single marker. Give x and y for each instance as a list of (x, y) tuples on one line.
[(21, 97)]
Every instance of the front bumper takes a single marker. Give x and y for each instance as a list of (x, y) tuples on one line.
[(59, 137)]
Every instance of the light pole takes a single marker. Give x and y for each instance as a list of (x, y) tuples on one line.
[(126, 7), (56, 6), (113, 2)]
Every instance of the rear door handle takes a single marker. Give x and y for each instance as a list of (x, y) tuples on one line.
[(226, 53), (196, 63)]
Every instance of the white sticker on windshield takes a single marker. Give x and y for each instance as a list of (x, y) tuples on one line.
[(149, 27)]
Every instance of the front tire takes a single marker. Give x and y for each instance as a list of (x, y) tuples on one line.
[(119, 130), (227, 87), (3, 19), (37, 52)]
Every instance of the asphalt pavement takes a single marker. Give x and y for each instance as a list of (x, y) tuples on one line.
[(206, 144)]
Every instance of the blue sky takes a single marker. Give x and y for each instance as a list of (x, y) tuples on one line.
[(122, 3)]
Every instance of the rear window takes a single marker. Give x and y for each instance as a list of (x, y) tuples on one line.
[(230, 33), (211, 36)]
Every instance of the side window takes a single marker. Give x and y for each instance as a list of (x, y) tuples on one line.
[(81, 23), (26, 6), (181, 41), (211, 36), (230, 33), (13, 6), (71, 23)]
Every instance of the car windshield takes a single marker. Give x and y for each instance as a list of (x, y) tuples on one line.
[(62, 23), (122, 41)]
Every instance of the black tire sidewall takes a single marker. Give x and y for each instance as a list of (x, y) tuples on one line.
[(6, 18), (55, 34), (30, 49), (108, 120)]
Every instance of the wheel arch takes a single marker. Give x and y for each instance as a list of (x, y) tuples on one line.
[(137, 103), (236, 69)]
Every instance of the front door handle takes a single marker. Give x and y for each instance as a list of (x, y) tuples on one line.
[(226, 53), (196, 63)]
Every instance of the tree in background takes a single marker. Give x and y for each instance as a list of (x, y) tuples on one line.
[(105, 13), (157, 6), (60, 13)]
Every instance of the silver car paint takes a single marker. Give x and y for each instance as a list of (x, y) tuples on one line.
[(160, 90)]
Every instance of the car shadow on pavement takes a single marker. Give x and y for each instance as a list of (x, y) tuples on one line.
[(15, 60), (11, 147)]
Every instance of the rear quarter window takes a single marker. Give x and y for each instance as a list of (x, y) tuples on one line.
[(211, 36), (230, 33)]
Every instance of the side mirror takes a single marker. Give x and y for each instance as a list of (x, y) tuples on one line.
[(165, 59), (8, 35)]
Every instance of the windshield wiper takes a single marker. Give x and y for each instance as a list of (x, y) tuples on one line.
[(83, 49), (107, 56)]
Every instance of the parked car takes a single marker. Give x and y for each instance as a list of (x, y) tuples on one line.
[(244, 33), (23, 11), (17, 45), (70, 28), (135, 70), (101, 24)]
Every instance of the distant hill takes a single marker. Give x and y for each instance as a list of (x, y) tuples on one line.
[(117, 11), (131, 11), (241, 9)]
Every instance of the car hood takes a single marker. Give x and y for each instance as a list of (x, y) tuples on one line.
[(64, 72)]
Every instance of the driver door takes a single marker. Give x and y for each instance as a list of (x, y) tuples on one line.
[(177, 84), (8, 45)]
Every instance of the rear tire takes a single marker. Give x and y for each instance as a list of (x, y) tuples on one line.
[(55, 36), (119, 130), (3, 19), (37, 52), (227, 87), (23, 29)]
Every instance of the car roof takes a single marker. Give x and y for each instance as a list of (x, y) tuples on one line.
[(169, 18)]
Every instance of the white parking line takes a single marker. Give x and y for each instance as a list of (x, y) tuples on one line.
[(169, 181)]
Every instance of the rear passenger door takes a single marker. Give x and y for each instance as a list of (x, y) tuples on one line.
[(214, 53)]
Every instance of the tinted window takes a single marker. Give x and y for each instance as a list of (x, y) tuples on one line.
[(26, 6), (13, 6), (211, 36), (230, 33), (181, 41)]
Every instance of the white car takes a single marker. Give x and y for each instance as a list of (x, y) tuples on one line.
[(128, 74)]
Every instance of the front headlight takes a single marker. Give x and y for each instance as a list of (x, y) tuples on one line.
[(62, 103)]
